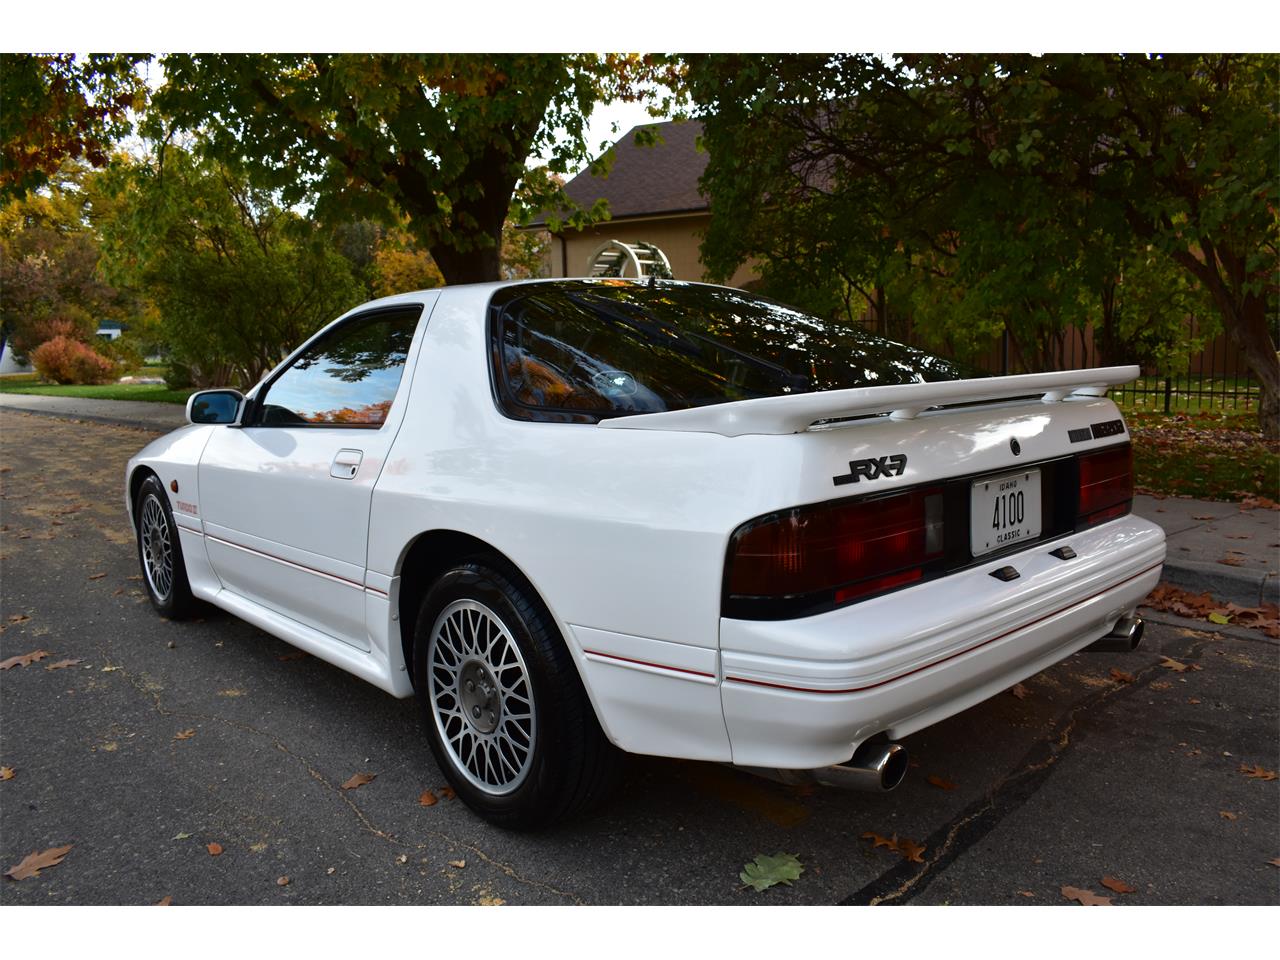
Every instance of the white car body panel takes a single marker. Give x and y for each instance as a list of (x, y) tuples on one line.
[(623, 527)]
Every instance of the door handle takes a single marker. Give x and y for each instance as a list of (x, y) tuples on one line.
[(345, 464)]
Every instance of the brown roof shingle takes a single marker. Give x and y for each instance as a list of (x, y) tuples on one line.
[(646, 181)]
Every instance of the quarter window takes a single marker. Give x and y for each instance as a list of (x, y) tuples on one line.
[(349, 378)]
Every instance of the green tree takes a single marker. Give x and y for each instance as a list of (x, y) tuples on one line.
[(60, 107), (441, 140), (237, 279), (982, 185), (49, 265)]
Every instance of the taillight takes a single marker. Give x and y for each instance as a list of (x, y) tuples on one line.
[(1106, 485), (832, 553)]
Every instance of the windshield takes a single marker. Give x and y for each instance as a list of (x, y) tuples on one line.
[(589, 349)]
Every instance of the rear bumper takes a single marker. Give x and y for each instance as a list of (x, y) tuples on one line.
[(804, 693)]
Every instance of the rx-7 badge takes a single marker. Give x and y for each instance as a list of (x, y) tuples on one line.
[(873, 469)]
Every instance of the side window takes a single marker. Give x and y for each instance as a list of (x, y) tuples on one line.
[(348, 378)]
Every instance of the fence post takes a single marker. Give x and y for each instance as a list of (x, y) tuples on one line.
[(1168, 393)]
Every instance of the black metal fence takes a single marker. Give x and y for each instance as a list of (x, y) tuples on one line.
[(1215, 379)]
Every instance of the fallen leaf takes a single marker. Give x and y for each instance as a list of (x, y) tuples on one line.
[(1020, 691), (287, 657), (1228, 815), (1221, 618), (184, 734), (1086, 897), (182, 836), (33, 863), (1256, 772), (164, 902), (18, 618), (215, 849), (911, 850), (24, 659), (1174, 665), (1120, 676), (1161, 685), (1231, 562), (331, 871), (63, 664), (403, 858), (258, 847), (1025, 893), (96, 576), (458, 863), (447, 793), (359, 780), (764, 872), (1192, 700), (231, 692), (428, 799), (109, 669), (6, 773), (942, 783), (1202, 516), (1119, 886), (879, 841), (282, 881), (1274, 862)]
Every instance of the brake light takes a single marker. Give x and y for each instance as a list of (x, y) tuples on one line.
[(1106, 485), (836, 552)]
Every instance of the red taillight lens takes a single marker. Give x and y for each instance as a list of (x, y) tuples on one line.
[(851, 549), (1106, 485)]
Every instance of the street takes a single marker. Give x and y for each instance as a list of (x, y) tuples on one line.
[(168, 741)]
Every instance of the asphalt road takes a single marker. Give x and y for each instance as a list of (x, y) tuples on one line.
[(1086, 776)]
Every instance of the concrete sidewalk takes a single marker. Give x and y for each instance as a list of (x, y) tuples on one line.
[(1231, 552), (161, 417)]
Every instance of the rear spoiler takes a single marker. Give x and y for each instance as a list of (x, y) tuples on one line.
[(797, 412)]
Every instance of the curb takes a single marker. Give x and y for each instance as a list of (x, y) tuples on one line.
[(149, 425), (1242, 587)]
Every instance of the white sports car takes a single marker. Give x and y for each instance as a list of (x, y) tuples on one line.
[(573, 516)]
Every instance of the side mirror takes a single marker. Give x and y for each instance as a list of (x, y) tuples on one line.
[(214, 406)]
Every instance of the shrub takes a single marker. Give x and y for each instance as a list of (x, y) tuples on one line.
[(64, 360)]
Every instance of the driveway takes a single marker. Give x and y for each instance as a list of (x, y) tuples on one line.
[(166, 741)]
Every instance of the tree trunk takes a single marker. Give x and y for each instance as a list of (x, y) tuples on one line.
[(471, 266), (1249, 330)]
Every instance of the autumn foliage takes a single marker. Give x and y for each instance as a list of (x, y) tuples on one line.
[(64, 360)]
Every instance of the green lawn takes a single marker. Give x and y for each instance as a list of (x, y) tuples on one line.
[(150, 392), (1208, 456), (1189, 395)]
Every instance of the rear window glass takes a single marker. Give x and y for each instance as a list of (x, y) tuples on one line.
[(584, 350)]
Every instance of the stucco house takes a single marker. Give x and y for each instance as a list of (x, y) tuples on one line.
[(653, 199)]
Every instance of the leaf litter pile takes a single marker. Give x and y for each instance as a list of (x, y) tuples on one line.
[(1202, 606)]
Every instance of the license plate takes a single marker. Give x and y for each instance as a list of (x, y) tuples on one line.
[(1004, 511)]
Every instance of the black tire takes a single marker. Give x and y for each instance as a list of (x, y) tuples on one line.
[(157, 538), (567, 765)]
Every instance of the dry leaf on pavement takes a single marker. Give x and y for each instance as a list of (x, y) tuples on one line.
[(458, 863), (1020, 691), (1119, 886), (942, 783), (1228, 815), (18, 618), (1086, 897), (282, 881), (447, 793), (428, 799), (879, 841), (359, 780), (166, 901), (1275, 862), (63, 664), (215, 849), (911, 850), (24, 659), (96, 576), (33, 863), (184, 734), (1174, 665), (1120, 676), (6, 773), (1025, 893), (1256, 772)]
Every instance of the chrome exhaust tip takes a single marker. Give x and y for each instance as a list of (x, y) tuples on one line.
[(1125, 637), (875, 767)]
